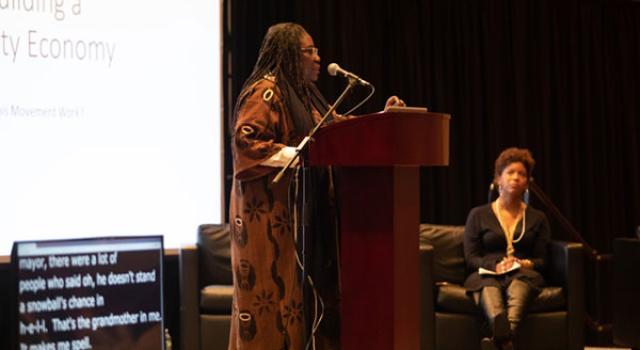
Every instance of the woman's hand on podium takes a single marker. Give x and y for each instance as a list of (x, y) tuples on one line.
[(394, 101)]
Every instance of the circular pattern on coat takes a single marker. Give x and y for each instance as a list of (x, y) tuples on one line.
[(246, 325), (239, 233), (267, 95)]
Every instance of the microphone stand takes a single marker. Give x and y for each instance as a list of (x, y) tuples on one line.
[(303, 246), (313, 131)]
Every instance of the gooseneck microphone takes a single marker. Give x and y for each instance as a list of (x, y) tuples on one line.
[(335, 69)]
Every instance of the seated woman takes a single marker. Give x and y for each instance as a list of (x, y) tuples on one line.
[(510, 238)]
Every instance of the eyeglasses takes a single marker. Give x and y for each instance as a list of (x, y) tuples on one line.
[(310, 50)]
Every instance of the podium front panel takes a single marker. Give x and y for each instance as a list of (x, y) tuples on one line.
[(377, 161)]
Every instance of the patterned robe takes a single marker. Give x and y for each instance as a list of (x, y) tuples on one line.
[(268, 304)]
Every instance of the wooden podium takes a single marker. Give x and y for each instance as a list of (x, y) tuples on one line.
[(377, 159)]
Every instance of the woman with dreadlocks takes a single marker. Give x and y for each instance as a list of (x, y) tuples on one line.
[(278, 105)]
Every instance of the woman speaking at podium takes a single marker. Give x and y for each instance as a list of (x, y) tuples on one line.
[(277, 107)]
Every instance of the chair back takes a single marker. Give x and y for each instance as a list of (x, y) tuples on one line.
[(214, 255), (448, 260), (626, 292)]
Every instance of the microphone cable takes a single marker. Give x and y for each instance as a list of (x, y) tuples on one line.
[(373, 90), (298, 216)]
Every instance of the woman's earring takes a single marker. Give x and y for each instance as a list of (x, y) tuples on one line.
[(492, 187), (526, 196)]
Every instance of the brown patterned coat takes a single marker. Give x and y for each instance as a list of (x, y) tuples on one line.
[(267, 308)]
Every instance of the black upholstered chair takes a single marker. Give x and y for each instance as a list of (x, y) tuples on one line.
[(626, 292), (206, 290), (451, 319)]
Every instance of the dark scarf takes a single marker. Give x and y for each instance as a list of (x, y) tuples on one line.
[(299, 111), (318, 100), (320, 251)]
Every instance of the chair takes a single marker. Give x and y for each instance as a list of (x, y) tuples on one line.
[(206, 290), (626, 292), (451, 319)]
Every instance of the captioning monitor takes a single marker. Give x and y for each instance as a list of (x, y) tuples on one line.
[(81, 294)]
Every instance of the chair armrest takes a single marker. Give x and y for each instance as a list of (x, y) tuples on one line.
[(567, 268), (189, 298), (427, 309)]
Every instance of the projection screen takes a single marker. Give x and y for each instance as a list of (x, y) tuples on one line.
[(110, 119)]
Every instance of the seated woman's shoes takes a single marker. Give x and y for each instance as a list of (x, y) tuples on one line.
[(507, 345), (488, 344)]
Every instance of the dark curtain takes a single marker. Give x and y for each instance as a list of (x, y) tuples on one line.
[(558, 77)]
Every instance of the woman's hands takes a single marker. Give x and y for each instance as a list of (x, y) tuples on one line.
[(394, 101), (526, 263), (507, 262)]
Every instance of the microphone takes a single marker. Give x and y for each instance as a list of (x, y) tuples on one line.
[(334, 69)]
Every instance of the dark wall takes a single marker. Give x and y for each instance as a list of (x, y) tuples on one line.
[(558, 77)]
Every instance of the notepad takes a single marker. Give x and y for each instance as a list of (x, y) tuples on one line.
[(483, 271)]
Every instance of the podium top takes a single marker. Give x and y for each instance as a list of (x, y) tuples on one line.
[(384, 139)]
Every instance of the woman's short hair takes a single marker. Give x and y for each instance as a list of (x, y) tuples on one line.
[(513, 155)]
